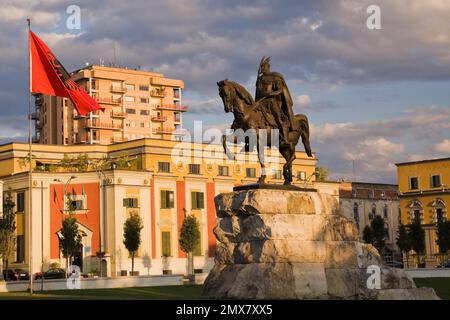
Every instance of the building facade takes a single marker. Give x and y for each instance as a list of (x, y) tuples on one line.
[(161, 181), (138, 104), (424, 195), (362, 202)]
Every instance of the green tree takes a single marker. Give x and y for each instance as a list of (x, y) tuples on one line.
[(189, 239), (132, 236), (443, 238), (367, 235), (322, 173), (8, 230), (70, 240), (404, 242), (417, 236), (379, 233)]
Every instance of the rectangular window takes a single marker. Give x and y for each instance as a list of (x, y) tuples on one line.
[(129, 99), (223, 171), (414, 183), (301, 175), (436, 181), (250, 172), (130, 202), (177, 116), (142, 124), (167, 199), (145, 112), (76, 205), (165, 244), (130, 111), (277, 174), (20, 202), (197, 200), (144, 100), (163, 166), (130, 87), (194, 168), (143, 87), (20, 251)]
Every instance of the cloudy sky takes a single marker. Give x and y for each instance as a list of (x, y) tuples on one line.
[(373, 97)]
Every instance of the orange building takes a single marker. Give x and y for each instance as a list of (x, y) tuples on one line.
[(138, 104)]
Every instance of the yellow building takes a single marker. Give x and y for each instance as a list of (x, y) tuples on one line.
[(162, 181), (424, 191), (138, 104)]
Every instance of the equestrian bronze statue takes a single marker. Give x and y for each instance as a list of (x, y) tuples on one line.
[(271, 110)]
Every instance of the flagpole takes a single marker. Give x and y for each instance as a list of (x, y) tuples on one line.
[(30, 175)]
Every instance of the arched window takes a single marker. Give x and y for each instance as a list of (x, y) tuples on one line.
[(356, 212), (385, 211), (415, 211), (439, 211)]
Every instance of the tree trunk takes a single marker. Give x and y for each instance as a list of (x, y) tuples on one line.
[(1, 269), (6, 269), (132, 263), (191, 266)]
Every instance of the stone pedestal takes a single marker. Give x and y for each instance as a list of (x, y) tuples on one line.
[(275, 244)]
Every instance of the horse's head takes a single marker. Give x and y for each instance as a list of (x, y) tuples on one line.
[(225, 92)]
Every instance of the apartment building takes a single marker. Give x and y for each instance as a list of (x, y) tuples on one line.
[(138, 104)]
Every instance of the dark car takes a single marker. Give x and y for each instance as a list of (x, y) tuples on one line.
[(55, 273), (16, 274), (445, 264)]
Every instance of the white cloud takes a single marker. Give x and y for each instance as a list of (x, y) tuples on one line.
[(302, 100), (443, 146)]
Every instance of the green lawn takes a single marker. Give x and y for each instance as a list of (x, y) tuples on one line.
[(144, 293), (440, 285), (190, 292)]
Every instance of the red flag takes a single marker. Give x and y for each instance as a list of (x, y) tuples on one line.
[(48, 76)]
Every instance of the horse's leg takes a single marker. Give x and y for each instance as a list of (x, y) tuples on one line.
[(288, 153), (260, 148), (225, 148)]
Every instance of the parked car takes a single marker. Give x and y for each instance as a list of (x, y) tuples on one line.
[(445, 264), (54, 273), (16, 274)]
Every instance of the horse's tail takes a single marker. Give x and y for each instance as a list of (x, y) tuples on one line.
[(225, 148), (303, 123)]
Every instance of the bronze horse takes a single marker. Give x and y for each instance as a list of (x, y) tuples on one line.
[(248, 115)]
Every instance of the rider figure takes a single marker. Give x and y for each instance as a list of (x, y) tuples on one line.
[(273, 95)]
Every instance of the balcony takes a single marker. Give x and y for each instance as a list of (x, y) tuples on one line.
[(35, 116), (159, 118), (103, 125), (172, 107), (39, 125), (158, 93), (118, 139), (108, 101), (39, 100), (116, 114), (172, 131), (120, 89)]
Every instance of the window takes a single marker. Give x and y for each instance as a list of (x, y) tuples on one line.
[(130, 202), (143, 87), (142, 124), (435, 181), (145, 112), (21, 202), (417, 217), (277, 174), (130, 111), (177, 116), (20, 250), (250, 172), (76, 205), (144, 100), (129, 99), (163, 166), (373, 212), (440, 215), (167, 199), (301, 175), (356, 212), (223, 171), (129, 87), (414, 183), (194, 168), (385, 211), (165, 244), (197, 200)]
